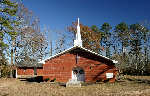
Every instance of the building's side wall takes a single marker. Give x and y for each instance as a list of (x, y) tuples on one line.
[(28, 71), (22, 72), (61, 68)]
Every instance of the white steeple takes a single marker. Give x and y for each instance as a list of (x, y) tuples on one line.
[(78, 41)]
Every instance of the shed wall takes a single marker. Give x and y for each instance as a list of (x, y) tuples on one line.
[(28, 71)]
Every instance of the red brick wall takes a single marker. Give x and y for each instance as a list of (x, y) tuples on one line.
[(95, 67), (61, 67), (40, 71), (29, 71), (25, 71)]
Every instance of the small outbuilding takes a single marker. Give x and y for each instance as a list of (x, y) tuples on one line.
[(29, 69)]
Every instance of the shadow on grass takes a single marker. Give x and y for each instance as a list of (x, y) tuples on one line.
[(82, 83), (89, 83), (139, 80), (37, 79), (5, 95), (62, 84)]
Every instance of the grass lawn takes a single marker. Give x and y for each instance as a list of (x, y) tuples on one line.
[(131, 86)]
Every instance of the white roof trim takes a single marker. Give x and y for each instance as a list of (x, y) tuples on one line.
[(43, 61), (114, 61)]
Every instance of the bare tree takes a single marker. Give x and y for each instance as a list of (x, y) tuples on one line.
[(31, 43), (60, 43)]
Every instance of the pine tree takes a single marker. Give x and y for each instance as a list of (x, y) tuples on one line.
[(106, 38), (8, 20), (122, 32)]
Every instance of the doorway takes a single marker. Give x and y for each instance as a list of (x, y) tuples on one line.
[(78, 74), (35, 70)]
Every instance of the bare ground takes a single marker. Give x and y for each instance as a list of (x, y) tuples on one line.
[(131, 86)]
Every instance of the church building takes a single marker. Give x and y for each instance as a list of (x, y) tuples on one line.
[(78, 63)]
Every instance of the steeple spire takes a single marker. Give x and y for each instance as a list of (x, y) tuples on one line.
[(78, 40)]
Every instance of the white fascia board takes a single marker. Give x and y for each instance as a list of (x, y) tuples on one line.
[(43, 61), (114, 61)]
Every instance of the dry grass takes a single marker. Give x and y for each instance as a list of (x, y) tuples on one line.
[(133, 86)]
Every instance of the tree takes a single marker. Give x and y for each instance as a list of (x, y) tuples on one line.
[(31, 43), (95, 29), (106, 37), (8, 20), (145, 46), (122, 32), (90, 36), (60, 43), (137, 40), (3, 63), (135, 43)]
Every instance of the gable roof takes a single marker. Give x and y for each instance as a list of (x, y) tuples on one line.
[(75, 47)]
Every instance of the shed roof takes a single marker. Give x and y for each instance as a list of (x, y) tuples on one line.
[(29, 64), (73, 48)]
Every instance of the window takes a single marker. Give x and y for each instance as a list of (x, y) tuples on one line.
[(75, 71), (90, 67), (81, 72)]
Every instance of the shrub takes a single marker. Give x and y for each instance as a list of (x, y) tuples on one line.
[(53, 80), (5, 71), (47, 79)]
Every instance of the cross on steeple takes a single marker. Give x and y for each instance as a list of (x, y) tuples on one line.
[(78, 40)]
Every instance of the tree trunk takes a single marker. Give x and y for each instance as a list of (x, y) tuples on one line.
[(11, 75), (0, 73), (12, 58)]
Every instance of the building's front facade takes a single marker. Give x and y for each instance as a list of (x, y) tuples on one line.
[(80, 64)]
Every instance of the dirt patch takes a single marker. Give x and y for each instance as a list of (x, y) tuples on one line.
[(15, 87)]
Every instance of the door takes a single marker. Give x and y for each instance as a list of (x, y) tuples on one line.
[(78, 74), (35, 70)]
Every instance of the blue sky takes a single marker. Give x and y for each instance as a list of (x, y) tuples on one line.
[(58, 14)]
